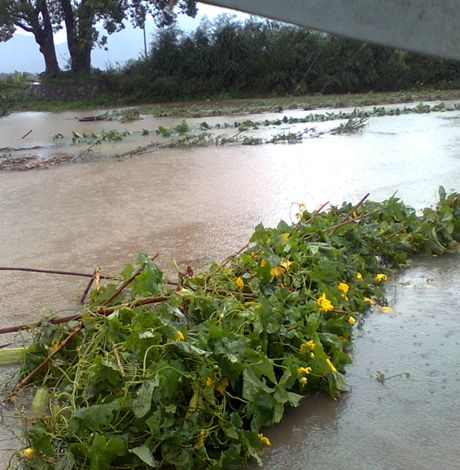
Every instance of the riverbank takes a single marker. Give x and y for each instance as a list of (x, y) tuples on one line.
[(21, 101)]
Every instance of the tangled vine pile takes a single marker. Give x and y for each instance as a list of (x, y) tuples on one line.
[(188, 374)]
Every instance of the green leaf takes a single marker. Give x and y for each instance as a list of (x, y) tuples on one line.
[(67, 462), (144, 453), (103, 452), (93, 417), (142, 404), (252, 385)]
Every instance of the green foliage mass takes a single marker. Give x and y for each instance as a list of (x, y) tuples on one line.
[(191, 380), (229, 58)]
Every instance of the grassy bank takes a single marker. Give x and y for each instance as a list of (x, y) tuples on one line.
[(14, 98)]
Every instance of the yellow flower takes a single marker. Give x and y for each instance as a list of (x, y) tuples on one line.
[(331, 366), (239, 282), (324, 303), (222, 385), (359, 276), (276, 271), (304, 370), (303, 381), (286, 264), (180, 336), (380, 277), (28, 453), (264, 439), (209, 381), (308, 346), (344, 287), (369, 300), (385, 309), (352, 321)]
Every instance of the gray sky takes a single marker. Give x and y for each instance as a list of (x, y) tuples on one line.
[(21, 52)]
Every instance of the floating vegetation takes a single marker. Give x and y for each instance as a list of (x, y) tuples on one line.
[(122, 115), (104, 136), (187, 374), (381, 111), (352, 126), (180, 129)]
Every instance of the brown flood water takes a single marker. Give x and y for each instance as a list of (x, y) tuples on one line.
[(201, 204)]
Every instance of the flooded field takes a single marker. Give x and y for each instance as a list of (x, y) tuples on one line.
[(200, 204)]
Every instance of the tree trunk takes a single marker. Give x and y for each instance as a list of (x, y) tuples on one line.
[(79, 35), (80, 60), (49, 53), (43, 33)]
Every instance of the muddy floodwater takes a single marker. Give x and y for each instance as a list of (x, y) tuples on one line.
[(196, 205)]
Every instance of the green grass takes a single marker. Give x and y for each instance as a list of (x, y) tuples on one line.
[(13, 99)]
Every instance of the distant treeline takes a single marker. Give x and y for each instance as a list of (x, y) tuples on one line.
[(230, 58)]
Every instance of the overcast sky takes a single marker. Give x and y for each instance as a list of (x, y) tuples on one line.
[(21, 52)]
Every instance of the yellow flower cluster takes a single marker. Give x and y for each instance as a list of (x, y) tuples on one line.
[(239, 283), (180, 336), (359, 276), (286, 264), (28, 453), (264, 439), (276, 271), (381, 277), (308, 346), (304, 370), (324, 303), (344, 287), (369, 300), (352, 321)]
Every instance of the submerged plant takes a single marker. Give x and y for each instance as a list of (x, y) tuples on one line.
[(186, 375)]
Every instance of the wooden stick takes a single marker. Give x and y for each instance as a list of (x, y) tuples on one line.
[(29, 326), (88, 287), (97, 277), (317, 211), (231, 257), (350, 214), (26, 134), (135, 303), (77, 316), (52, 271), (127, 282), (361, 217), (28, 378)]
